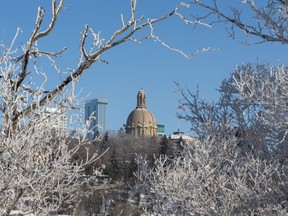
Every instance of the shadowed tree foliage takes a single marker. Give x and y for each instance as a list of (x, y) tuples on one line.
[(163, 146)]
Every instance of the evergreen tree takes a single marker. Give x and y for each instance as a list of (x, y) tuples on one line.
[(105, 141), (164, 146), (115, 164)]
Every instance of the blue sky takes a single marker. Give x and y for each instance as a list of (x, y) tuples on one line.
[(131, 67)]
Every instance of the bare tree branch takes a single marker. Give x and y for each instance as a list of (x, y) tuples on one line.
[(269, 22), (126, 32), (55, 12)]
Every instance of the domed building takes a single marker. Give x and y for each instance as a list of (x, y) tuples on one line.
[(141, 122)]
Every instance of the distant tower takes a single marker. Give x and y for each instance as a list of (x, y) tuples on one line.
[(141, 122), (96, 109)]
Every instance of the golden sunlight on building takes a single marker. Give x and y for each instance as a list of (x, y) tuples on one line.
[(141, 122)]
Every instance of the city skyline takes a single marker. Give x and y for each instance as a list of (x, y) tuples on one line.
[(131, 66)]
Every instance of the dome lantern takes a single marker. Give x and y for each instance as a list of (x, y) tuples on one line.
[(141, 99)]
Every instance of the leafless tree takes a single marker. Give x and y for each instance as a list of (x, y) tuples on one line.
[(267, 20), (32, 53), (252, 107), (239, 164), (214, 179), (37, 171)]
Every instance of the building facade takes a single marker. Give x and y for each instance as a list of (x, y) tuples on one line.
[(141, 122), (96, 112), (160, 130)]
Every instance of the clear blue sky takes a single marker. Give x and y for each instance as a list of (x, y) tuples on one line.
[(131, 67)]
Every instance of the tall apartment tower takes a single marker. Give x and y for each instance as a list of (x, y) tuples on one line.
[(96, 110)]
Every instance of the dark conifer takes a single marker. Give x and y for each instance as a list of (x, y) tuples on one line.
[(164, 146)]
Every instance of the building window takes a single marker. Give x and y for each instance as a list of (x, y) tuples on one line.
[(88, 112)]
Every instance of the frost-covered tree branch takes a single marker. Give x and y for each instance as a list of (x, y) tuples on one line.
[(215, 178), (267, 20), (238, 162), (252, 107), (31, 51), (40, 168)]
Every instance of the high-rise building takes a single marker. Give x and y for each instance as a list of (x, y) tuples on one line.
[(96, 111)]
